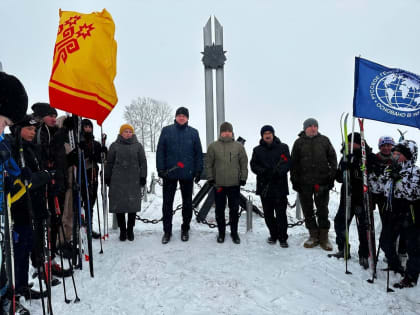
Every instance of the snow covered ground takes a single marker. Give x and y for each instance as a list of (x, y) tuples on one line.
[(203, 277)]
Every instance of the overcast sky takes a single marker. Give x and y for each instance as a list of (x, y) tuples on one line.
[(286, 60)]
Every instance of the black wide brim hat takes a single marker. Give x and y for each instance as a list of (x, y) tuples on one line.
[(13, 97)]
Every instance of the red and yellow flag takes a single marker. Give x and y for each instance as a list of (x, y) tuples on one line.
[(84, 65)]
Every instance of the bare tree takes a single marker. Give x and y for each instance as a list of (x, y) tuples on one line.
[(148, 116)]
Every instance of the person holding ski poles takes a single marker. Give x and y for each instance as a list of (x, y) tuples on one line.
[(227, 170), (26, 215), (51, 140), (179, 144), (353, 165), (400, 183), (314, 163), (271, 162), (92, 150), (125, 174)]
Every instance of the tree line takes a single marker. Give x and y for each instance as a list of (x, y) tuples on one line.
[(148, 116)]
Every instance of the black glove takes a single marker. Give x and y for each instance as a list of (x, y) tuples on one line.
[(26, 174), (242, 182), (68, 123), (162, 174), (211, 182), (197, 178), (4, 156), (142, 181), (73, 158), (394, 172)]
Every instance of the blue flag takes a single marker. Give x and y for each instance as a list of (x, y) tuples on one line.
[(385, 94)]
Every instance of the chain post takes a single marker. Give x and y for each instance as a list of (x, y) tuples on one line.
[(153, 184), (249, 209), (143, 192)]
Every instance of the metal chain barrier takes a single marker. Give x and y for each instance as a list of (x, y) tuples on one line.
[(210, 225)]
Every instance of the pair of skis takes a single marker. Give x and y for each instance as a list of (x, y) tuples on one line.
[(369, 220)]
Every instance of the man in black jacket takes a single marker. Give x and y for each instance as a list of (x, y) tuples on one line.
[(271, 163), (53, 154)]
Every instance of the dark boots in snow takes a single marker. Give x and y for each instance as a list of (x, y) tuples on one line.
[(313, 239)]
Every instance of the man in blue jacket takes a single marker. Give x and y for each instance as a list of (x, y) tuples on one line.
[(179, 157)]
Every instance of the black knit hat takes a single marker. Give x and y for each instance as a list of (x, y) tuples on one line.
[(226, 126), (182, 111), (267, 128), (357, 138), (87, 122), (43, 109), (13, 98), (28, 120)]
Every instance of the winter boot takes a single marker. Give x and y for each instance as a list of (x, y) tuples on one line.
[(20, 309), (221, 237), (324, 241), (166, 238), (364, 262), (185, 236), (313, 239), (57, 271), (123, 233), (271, 240), (284, 244), (130, 233), (340, 254), (406, 282), (31, 294), (235, 238)]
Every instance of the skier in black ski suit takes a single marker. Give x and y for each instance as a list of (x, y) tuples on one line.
[(354, 166), (400, 184)]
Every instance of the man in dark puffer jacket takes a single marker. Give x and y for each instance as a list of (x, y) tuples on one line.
[(179, 157), (314, 164)]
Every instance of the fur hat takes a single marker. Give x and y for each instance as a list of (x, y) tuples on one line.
[(43, 109), (267, 128), (310, 122), (13, 98), (226, 126), (182, 111), (126, 126), (408, 148)]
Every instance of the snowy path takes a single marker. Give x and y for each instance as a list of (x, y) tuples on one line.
[(204, 277)]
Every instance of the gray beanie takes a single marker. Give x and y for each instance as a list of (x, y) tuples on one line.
[(309, 122)]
